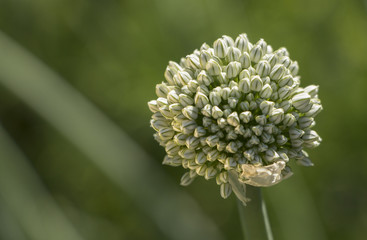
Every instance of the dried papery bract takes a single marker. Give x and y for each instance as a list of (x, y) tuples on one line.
[(235, 112)]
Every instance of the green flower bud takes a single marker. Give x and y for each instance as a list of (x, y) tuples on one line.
[(215, 98), (245, 116), (316, 109), (188, 126), (190, 112), (200, 158), (185, 100), (187, 153), (193, 61), (245, 60), (266, 107), (277, 72), (281, 139), (263, 68), (199, 132), (225, 93), (213, 68), (201, 100), (204, 58), (285, 61), (186, 179), (293, 68), (245, 74), (305, 122), (295, 133), (172, 148), (233, 119), (302, 102), (241, 42), (216, 112), (233, 69), (260, 119), (276, 116), (220, 48), (172, 97), (210, 172), (257, 130), (153, 107), (289, 120), (234, 54), (192, 142), (256, 84), (228, 40), (175, 108), (266, 91), (256, 53), (287, 80)]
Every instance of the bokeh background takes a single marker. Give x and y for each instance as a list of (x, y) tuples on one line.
[(77, 156)]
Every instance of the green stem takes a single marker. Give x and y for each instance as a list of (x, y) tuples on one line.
[(254, 218)]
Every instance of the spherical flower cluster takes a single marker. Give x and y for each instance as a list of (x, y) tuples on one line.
[(236, 109)]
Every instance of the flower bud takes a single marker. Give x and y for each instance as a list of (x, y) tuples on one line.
[(276, 116), (175, 108), (213, 68), (230, 163), (233, 54), (284, 92), (186, 179), (285, 61), (187, 153), (245, 116), (244, 74), (316, 109), (232, 147), (289, 120), (301, 102), (244, 106), (185, 100), (233, 69), (225, 93), (153, 107), (256, 84), (199, 132), (260, 119), (212, 155), (256, 53), (200, 158), (232, 102), (271, 155), (233, 119), (172, 161), (245, 60), (204, 58), (244, 85), (287, 80), (266, 107), (210, 172), (216, 112), (241, 42), (277, 72), (281, 139), (266, 91), (188, 126), (263, 68), (212, 140), (295, 133), (293, 68), (312, 90), (220, 48), (172, 97), (310, 136), (228, 40), (305, 122), (192, 142), (257, 130), (172, 148), (201, 170), (207, 110), (183, 77), (201, 100), (215, 98)]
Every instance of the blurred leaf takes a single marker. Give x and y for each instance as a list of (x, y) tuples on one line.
[(175, 213), (21, 190)]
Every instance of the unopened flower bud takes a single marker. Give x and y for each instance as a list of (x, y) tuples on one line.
[(245, 60), (256, 84), (241, 42), (245, 116), (263, 68), (220, 48), (215, 98), (256, 53), (213, 68), (233, 54), (276, 116), (277, 72), (266, 91)]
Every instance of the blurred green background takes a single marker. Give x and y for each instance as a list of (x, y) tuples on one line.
[(91, 168)]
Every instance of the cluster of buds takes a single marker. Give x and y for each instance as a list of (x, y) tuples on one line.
[(235, 108)]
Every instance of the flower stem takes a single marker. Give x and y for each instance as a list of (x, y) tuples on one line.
[(254, 217)]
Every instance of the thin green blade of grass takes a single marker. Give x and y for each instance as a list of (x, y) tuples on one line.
[(21, 190), (123, 161)]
